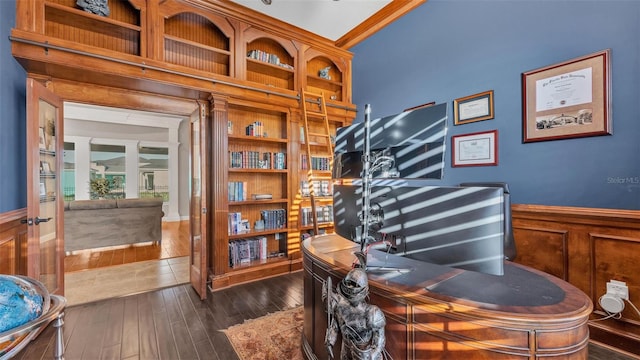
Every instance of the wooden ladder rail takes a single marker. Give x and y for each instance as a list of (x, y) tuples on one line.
[(312, 176)]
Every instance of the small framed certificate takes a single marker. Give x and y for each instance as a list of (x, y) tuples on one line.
[(473, 108), (476, 149)]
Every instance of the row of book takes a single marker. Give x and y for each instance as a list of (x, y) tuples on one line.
[(236, 224), (256, 160), (274, 219), (320, 188), (324, 214), (243, 251), (269, 220), (237, 190), (317, 163), (255, 129), (267, 57)]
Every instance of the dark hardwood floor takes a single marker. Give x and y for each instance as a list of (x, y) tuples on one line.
[(173, 323)]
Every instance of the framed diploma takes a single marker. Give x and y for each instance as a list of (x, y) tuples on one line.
[(476, 149), (567, 100), (473, 108)]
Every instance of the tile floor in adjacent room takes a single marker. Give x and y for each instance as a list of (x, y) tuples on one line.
[(115, 281)]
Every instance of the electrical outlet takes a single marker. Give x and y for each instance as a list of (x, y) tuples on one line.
[(618, 288)]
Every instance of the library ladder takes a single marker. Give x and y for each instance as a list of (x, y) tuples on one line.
[(314, 110)]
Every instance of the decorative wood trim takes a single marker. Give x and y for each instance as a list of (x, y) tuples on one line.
[(563, 233), (115, 97), (578, 215), (602, 244), (13, 242), (12, 215)]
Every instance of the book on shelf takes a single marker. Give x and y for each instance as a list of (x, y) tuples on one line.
[(243, 251), (324, 214), (254, 160), (274, 219), (237, 190), (262, 196), (320, 163), (268, 58), (255, 129), (236, 224), (320, 188), (304, 188)]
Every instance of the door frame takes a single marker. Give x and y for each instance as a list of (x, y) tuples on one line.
[(80, 92)]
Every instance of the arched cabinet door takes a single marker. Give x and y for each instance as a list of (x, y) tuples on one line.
[(45, 238)]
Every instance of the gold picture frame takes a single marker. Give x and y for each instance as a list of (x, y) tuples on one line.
[(567, 100), (473, 108)]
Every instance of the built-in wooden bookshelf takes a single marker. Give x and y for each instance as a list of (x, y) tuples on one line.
[(324, 75), (257, 185), (119, 32), (270, 60), (193, 41), (153, 55)]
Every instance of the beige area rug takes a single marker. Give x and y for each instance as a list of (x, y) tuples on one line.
[(275, 336)]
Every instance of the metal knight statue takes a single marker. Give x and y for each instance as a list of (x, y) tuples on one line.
[(361, 324)]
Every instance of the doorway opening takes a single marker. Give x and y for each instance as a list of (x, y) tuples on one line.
[(139, 155)]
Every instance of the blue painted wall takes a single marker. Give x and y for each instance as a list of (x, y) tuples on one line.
[(13, 161), (448, 49)]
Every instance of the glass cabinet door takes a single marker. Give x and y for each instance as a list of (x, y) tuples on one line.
[(198, 208), (45, 248)]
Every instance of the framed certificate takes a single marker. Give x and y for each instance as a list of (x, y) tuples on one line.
[(473, 108), (567, 100), (476, 149)]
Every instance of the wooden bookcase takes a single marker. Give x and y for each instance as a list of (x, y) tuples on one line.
[(270, 60), (120, 32), (335, 86), (151, 55), (191, 40), (258, 180)]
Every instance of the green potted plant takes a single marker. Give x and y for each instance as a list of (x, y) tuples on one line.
[(100, 187)]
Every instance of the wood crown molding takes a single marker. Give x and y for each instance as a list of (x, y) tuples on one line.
[(379, 20)]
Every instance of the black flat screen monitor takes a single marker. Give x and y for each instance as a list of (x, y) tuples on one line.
[(460, 227), (414, 139)]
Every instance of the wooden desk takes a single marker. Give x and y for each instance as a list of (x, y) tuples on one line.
[(436, 312)]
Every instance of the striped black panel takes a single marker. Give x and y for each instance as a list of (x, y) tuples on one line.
[(461, 227), (415, 139)]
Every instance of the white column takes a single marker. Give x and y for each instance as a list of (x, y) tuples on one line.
[(132, 157), (173, 167), (82, 151)]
